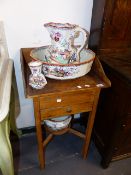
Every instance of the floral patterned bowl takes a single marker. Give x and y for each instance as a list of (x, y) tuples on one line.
[(63, 71), (58, 123)]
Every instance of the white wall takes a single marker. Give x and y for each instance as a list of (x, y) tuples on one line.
[(24, 21)]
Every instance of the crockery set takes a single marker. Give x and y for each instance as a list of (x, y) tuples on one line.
[(61, 60)]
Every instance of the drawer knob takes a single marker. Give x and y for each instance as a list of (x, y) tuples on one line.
[(124, 125), (68, 109)]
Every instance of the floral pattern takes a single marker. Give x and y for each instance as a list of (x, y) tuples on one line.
[(55, 36), (60, 71), (62, 39)]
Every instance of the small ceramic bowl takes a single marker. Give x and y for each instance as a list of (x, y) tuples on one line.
[(59, 123), (63, 71)]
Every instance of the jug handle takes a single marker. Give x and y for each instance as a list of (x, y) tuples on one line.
[(85, 34)]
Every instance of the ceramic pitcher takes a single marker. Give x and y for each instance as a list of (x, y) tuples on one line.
[(36, 79), (62, 48)]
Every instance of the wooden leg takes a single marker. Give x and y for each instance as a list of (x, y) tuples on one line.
[(47, 140), (90, 125), (41, 151), (6, 158)]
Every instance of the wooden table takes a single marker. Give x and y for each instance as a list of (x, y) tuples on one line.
[(67, 97)]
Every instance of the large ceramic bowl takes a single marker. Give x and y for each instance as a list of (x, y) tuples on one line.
[(63, 71), (59, 123)]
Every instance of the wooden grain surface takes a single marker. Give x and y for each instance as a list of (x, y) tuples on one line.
[(60, 99), (66, 110)]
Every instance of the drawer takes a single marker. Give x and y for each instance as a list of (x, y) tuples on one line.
[(70, 98), (66, 110)]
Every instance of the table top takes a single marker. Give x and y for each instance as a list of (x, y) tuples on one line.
[(96, 78)]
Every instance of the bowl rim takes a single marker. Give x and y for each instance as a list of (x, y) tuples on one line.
[(62, 65), (52, 120)]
